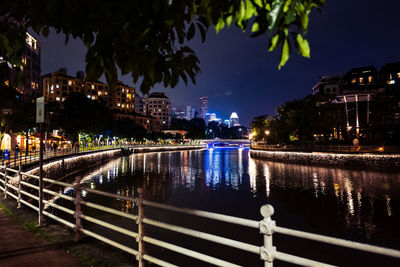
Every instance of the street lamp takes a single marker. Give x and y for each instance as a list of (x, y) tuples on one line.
[(240, 130)]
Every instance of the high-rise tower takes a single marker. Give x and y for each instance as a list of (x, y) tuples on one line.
[(203, 106)]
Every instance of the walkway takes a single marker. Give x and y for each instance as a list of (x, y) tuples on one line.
[(18, 247)]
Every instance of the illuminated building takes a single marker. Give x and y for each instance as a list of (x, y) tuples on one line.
[(159, 106), (356, 89), (30, 69), (213, 117), (203, 107), (234, 118), (58, 85)]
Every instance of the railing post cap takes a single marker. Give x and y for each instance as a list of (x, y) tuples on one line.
[(267, 211)]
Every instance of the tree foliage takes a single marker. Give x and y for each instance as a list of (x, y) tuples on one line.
[(300, 120), (149, 39)]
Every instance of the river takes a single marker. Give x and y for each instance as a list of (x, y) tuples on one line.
[(357, 205)]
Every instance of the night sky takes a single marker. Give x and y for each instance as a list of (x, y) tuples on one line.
[(238, 74)]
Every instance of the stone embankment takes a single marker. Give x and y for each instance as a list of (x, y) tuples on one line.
[(356, 161), (73, 164), (69, 165)]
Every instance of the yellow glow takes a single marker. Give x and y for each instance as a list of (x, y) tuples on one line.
[(267, 132), (129, 96), (92, 86)]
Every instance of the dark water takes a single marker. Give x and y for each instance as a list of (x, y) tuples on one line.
[(357, 205)]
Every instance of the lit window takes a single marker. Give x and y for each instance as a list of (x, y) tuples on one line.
[(63, 99), (391, 82), (390, 76), (58, 98), (92, 86), (159, 110), (93, 97), (163, 122), (123, 90), (398, 75), (106, 93), (353, 80), (69, 83), (361, 80), (123, 105), (118, 104), (89, 96), (99, 92), (370, 79), (129, 96), (57, 86)]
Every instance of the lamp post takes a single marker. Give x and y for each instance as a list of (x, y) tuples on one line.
[(240, 130), (267, 132)]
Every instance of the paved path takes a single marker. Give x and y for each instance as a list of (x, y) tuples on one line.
[(18, 247)]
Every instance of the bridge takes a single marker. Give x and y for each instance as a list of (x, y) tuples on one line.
[(212, 143)]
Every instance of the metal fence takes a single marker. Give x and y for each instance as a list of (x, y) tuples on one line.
[(328, 148), (24, 188)]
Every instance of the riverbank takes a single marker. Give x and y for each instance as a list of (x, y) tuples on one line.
[(353, 161)]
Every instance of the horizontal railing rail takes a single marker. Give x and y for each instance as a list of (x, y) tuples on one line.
[(23, 188)]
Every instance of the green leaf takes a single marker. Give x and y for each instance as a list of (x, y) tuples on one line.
[(303, 46), (250, 9), (219, 25), (229, 20), (275, 12), (258, 2), (287, 4), (242, 10), (285, 53), (255, 27), (273, 43), (191, 32)]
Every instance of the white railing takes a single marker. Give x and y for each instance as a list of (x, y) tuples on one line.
[(24, 189)]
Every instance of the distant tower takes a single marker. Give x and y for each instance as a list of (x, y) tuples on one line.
[(234, 119), (203, 106)]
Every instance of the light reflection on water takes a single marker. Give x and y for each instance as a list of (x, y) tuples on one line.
[(357, 204)]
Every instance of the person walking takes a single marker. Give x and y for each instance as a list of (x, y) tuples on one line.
[(16, 151)]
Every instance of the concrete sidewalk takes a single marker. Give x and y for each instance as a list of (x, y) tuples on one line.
[(18, 247)]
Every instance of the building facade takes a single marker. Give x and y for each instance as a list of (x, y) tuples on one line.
[(203, 107), (357, 90), (234, 118), (158, 105), (58, 85), (31, 68)]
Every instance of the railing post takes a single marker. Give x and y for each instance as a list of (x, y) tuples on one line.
[(140, 224), (5, 181), (267, 252), (78, 211), (19, 186)]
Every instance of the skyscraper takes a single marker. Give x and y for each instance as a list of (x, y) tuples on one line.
[(234, 119), (203, 106)]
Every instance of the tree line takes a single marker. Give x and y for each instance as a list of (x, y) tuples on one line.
[(320, 119)]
